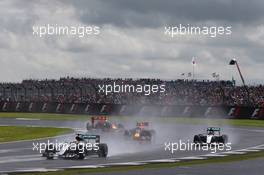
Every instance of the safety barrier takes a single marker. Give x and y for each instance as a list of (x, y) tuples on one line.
[(236, 112)]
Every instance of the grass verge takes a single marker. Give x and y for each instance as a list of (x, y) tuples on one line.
[(43, 116), (227, 159), (15, 133)]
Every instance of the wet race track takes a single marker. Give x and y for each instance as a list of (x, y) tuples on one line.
[(19, 156)]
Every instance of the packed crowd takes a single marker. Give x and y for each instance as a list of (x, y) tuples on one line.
[(177, 92)]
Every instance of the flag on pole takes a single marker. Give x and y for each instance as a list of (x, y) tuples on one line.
[(193, 61), (233, 81), (193, 65), (214, 75)]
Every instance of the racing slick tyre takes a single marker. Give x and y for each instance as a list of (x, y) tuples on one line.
[(81, 156), (146, 136), (126, 133), (88, 126), (79, 152), (49, 155), (49, 152), (214, 139), (120, 126), (223, 139), (103, 150), (197, 139)]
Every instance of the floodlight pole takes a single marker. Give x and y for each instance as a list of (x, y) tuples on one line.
[(241, 76), (232, 62), (193, 71)]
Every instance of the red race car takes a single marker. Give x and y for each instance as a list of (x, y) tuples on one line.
[(101, 123)]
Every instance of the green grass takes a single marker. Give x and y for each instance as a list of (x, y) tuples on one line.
[(43, 116), (15, 133), (227, 159), (50, 116)]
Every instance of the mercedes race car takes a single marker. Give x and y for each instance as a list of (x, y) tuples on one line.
[(140, 133), (101, 123), (212, 135), (83, 146)]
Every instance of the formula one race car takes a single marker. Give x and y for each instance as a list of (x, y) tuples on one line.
[(212, 136), (84, 145), (140, 133), (102, 123)]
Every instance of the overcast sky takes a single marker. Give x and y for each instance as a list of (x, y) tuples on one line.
[(131, 41)]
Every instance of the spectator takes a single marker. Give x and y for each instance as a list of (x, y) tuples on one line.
[(178, 92)]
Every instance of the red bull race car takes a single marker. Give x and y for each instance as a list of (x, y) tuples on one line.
[(141, 132), (102, 123)]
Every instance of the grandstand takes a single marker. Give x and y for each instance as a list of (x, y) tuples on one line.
[(178, 92)]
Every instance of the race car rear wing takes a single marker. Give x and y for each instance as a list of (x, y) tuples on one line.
[(101, 118), (213, 129), (142, 124), (89, 137)]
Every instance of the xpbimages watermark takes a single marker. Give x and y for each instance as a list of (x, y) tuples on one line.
[(73, 146), (211, 31), (60, 30), (180, 145), (146, 89)]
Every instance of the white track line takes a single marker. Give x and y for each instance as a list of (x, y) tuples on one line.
[(162, 161), (233, 152), (19, 160), (84, 166), (28, 119), (13, 150), (36, 170), (214, 155), (125, 163), (192, 158), (249, 150)]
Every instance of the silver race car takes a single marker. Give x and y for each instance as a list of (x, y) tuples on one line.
[(83, 145), (212, 135)]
